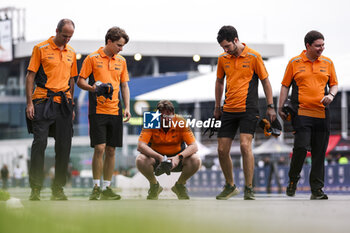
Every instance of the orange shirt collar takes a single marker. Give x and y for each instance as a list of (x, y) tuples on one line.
[(53, 45), (304, 57), (243, 54), (102, 53), (245, 50)]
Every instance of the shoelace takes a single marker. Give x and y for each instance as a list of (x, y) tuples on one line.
[(226, 189), (249, 190), (320, 192), (96, 190)]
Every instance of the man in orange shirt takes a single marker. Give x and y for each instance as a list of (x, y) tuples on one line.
[(155, 144), (242, 67), (309, 74), (52, 68), (105, 114)]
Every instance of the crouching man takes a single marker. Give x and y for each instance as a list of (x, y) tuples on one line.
[(164, 149)]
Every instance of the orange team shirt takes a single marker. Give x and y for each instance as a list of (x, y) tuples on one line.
[(99, 67), (168, 143), (242, 74), (309, 81), (53, 67)]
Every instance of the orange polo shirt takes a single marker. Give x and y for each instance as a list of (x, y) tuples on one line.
[(53, 67), (309, 82), (168, 143), (99, 67), (242, 74)]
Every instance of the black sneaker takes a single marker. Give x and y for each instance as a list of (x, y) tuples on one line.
[(228, 192), (35, 195), (58, 194), (154, 191), (180, 191), (108, 194), (318, 195), (95, 194), (249, 193), (291, 188)]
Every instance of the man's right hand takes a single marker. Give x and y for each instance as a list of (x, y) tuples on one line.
[(217, 113), (93, 88), (282, 114), (30, 111), (287, 111), (164, 167)]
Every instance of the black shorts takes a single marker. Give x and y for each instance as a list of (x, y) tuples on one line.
[(107, 129), (230, 121)]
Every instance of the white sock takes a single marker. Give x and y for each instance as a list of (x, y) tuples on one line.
[(96, 183), (106, 183)]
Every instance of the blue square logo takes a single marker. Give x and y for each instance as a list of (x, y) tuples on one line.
[(151, 120)]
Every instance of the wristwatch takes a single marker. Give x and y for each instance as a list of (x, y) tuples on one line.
[(181, 157), (271, 106)]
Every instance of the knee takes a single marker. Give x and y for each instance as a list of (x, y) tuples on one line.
[(110, 151), (40, 141), (100, 149), (139, 161), (142, 161), (223, 151), (246, 148), (196, 161)]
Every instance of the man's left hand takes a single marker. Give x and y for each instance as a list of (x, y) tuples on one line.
[(175, 161)]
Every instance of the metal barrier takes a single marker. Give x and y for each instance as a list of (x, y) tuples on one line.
[(209, 183)]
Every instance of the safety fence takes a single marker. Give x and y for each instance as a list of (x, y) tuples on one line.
[(209, 182), (204, 183)]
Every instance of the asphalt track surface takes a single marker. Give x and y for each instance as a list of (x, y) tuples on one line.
[(268, 213)]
